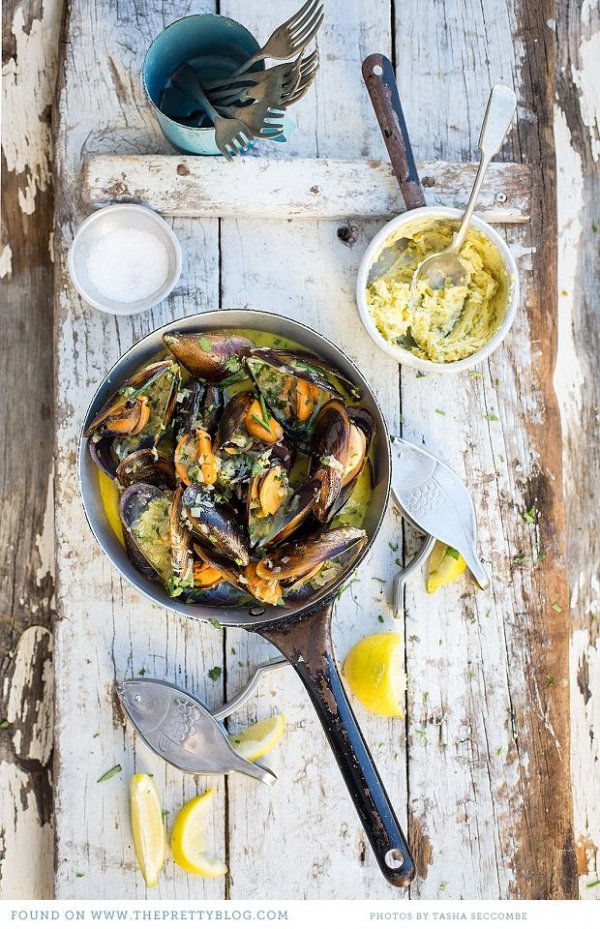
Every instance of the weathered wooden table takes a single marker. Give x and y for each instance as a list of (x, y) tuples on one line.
[(479, 770)]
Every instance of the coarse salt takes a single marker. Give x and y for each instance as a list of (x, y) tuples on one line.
[(127, 265)]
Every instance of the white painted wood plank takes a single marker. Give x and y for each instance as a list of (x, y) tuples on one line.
[(577, 117), (474, 658), (316, 188), (305, 271), (105, 630)]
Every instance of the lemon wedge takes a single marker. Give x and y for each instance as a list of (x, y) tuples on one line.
[(148, 828), (188, 839), (257, 740), (374, 669), (445, 565)]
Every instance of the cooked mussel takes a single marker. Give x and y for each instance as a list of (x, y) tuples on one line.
[(362, 430), (182, 561), (331, 437), (213, 356), (245, 424), (293, 562), (145, 515), (195, 462), (232, 436), (267, 530), (216, 523), (200, 406), (146, 466), (293, 388), (129, 410)]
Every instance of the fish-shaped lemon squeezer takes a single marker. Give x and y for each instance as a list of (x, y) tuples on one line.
[(435, 500), (179, 728)]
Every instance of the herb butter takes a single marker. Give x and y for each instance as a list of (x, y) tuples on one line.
[(447, 324)]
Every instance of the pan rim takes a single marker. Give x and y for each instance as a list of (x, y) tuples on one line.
[(270, 615)]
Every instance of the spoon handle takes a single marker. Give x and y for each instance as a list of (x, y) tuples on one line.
[(500, 110), (378, 74)]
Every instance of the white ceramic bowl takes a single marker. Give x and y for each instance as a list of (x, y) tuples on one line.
[(414, 221), (119, 216)]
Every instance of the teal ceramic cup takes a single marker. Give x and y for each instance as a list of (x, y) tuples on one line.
[(214, 46)]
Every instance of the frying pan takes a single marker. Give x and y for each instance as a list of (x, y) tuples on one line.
[(302, 632)]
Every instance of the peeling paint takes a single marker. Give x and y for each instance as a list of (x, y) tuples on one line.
[(28, 81), (6, 261)]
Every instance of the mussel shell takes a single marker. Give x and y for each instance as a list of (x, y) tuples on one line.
[(291, 561), (133, 387), (230, 571), (292, 515), (146, 466), (102, 456), (216, 524), (330, 441), (134, 500), (181, 538), (305, 366), (213, 356), (275, 372), (283, 455), (365, 422), (231, 429), (202, 407)]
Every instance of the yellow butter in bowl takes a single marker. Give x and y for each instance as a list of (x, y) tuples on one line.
[(446, 324)]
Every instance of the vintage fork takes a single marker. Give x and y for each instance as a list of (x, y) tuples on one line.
[(274, 83), (232, 136), (291, 37), (308, 72), (261, 119)]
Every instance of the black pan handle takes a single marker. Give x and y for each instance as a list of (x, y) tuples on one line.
[(306, 643), (378, 73)]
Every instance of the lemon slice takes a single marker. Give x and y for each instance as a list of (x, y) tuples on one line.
[(148, 828), (257, 740), (374, 669), (445, 565), (188, 839)]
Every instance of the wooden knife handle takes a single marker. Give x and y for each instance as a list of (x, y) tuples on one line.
[(378, 74)]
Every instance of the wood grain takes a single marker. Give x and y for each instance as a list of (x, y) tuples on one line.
[(30, 53), (302, 188), (494, 667), (577, 122)]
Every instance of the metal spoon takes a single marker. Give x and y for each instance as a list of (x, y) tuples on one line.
[(446, 266), (181, 729)]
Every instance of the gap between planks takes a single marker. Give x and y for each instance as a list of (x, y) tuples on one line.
[(318, 188)]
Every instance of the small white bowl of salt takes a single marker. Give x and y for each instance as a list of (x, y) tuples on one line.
[(124, 259)]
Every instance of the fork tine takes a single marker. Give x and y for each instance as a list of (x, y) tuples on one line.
[(299, 14), (301, 21), (301, 41), (241, 143)]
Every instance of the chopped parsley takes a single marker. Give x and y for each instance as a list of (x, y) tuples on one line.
[(116, 769), (530, 514), (214, 673), (491, 417)]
